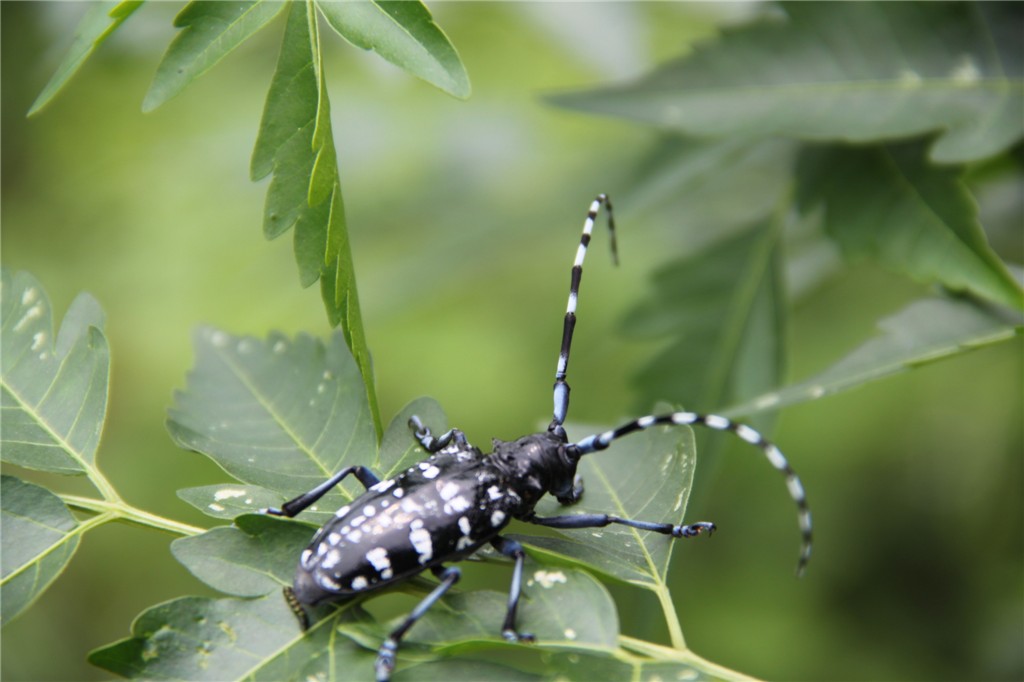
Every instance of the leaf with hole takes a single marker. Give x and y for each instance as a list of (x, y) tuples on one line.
[(54, 389), (843, 71)]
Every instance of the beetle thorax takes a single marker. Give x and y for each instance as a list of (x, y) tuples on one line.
[(534, 465)]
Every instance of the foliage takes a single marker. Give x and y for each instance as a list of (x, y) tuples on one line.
[(868, 125)]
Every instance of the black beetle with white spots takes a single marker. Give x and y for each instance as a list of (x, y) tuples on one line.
[(459, 499)]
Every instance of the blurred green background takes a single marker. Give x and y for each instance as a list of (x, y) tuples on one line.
[(464, 217)]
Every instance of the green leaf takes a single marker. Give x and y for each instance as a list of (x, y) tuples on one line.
[(194, 638), (99, 22), (724, 310), (39, 538), (256, 556), (398, 449), (559, 606), (283, 414), (404, 33), (890, 204), (209, 32), (617, 484), (54, 390), (229, 501), (926, 331), (205, 639), (296, 144), (844, 71)]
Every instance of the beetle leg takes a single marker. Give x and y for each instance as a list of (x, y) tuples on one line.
[(601, 520), (386, 654), (431, 444), (293, 507), (513, 550)]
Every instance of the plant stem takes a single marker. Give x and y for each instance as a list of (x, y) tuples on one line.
[(658, 651), (122, 511), (675, 630)]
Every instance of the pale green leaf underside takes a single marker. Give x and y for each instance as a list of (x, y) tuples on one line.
[(403, 33), (99, 22), (38, 542), (843, 71), (889, 204), (54, 389), (209, 32), (925, 331)]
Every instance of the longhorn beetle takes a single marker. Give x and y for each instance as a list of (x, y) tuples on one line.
[(459, 499)]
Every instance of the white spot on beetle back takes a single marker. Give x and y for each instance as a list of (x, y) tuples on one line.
[(449, 490), (457, 505), (383, 486), (359, 583), (497, 517), (378, 558), (421, 542)]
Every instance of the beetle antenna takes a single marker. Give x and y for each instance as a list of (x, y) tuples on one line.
[(600, 441), (561, 396)]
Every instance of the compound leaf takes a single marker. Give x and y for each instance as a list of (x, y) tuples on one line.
[(844, 71), (282, 414), (404, 33), (54, 390), (99, 22), (889, 203), (209, 31), (39, 538), (617, 484), (296, 144), (925, 331)]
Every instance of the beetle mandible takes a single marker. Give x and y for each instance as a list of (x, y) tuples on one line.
[(460, 499)]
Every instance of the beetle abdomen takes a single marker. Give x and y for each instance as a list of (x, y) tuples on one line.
[(438, 511)]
